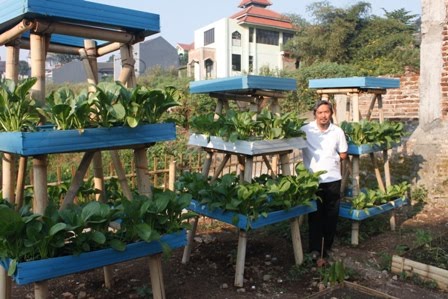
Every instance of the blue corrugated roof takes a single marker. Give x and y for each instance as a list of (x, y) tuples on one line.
[(355, 82), (79, 12), (241, 83)]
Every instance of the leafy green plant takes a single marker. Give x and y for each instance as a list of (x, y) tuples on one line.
[(374, 133), (17, 110), (373, 197), (108, 109), (246, 125), (67, 110), (253, 199), (333, 274)]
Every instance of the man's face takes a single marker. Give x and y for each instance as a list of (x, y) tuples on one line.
[(323, 116)]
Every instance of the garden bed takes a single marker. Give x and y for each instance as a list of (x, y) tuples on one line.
[(346, 210), (245, 223), (40, 270), (247, 147), (429, 262), (66, 141)]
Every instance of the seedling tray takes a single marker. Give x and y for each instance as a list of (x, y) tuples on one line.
[(245, 223), (65, 141), (251, 148), (40, 270), (346, 211)]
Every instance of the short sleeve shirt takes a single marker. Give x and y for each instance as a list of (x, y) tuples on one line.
[(322, 151)]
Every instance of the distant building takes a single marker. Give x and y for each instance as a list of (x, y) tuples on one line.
[(74, 72), (152, 53), (2, 68), (244, 43)]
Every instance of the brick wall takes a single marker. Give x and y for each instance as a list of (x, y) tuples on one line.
[(398, 104)]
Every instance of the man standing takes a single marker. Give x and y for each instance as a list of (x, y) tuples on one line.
[(326, 147)]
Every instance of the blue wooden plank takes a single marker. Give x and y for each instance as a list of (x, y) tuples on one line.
[(243, 83), (243, 222), (354, 149), (346, 211), (28, 272), (66, 141), (355, 82), (79, 12)]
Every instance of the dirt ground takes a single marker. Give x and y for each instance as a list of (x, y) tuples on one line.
[(269, 269)]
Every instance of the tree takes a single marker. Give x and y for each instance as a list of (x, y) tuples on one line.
[(65, 58), (24, 68), (376, 45)]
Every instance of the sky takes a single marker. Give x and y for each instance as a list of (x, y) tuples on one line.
[(178, 20)]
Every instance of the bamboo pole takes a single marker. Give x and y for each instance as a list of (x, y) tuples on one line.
[(221, 167), (109, 48), (371, 106), (38, 55), (16, 31), (191, 233), (78, 179), (403, 264), (379, 179), (172, 175), (20, 187), (121, 174), (53, 48), (40, 202), (127, 63), (240, 259), (355, 232), (155, 268), (46, 27)]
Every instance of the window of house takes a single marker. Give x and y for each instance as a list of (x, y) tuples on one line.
[(267, 37), (209, 36), (251, 34), (236, 62), (236, 39), (208, 68), (286, 37), (251, 64)]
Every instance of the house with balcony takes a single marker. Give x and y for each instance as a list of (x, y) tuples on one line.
[(247, 42)]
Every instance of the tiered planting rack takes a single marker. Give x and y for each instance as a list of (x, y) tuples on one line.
[(254, 91), (347, 108), (89, 30)]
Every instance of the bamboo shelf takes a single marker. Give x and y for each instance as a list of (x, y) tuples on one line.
[(39, 270)]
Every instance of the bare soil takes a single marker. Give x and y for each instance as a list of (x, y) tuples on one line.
[(270, 271)]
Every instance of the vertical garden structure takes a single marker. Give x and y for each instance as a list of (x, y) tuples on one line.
[(347, 108), (90, 30), (251, 93)]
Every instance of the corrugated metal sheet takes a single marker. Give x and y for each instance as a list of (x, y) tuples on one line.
[(79, 12), (241, 83), (355, 82)]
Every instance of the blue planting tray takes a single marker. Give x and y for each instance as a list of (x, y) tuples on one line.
[(28, 272), (355, 82), (346, 211), (354, 149), (244, 222), (66, 141), (243, 83)]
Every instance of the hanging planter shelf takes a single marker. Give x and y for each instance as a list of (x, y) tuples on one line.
[(346, 211), (40, 270), (66, 141), (258, 147), (244, 222)]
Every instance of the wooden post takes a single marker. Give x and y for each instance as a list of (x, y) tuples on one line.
[(190, 238), (121, 174), (172, 175), (20, 187), (40, 202), (355, 232), (240, 259), (144, 188), (38, 53)]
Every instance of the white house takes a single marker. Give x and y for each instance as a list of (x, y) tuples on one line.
[(246, 42)]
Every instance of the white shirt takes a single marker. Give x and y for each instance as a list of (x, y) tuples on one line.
[(322, 151)]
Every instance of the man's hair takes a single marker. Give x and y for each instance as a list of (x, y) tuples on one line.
[(320, 103)]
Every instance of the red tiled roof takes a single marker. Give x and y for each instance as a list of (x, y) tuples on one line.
[(245, 3), (186, 47), (263, 16)]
